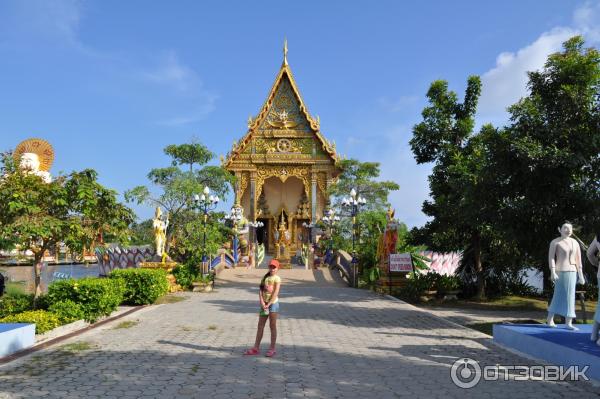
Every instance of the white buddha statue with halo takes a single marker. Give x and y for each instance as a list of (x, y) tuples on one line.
[(35, 157)]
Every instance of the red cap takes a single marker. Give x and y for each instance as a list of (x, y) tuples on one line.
[(274, 262)]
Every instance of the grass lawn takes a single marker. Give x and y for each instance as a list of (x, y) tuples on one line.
[(169, 299), (17, 287), (517, 303)]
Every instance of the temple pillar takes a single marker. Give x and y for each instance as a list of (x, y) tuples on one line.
[(313, 197), (252, 215), (328, 184), (237, 187)]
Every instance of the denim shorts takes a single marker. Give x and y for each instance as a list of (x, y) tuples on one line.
[(274, 308)]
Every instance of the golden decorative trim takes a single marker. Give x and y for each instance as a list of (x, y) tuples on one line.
[(282, 173), (322, 183), (243, 184), (286, 129)]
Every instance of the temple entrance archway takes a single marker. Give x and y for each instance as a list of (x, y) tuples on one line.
[(288, 207)]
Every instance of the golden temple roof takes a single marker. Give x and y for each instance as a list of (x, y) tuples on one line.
[(257, 123)]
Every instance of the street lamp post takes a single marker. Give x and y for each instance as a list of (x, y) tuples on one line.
[(352, 205), (309, 226), (235, 216), (205, 203), (330, 219)]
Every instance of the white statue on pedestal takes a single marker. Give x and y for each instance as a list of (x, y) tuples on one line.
[(35, 157), (593, 255), (564, 258)]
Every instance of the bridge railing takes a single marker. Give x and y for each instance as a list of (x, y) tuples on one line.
[(342, 262)]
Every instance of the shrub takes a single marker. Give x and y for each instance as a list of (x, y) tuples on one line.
[(42, 302), (185, 274), (417, 284), (96, 296), (142, 286), (448, 283), (67, 311), (44, 320), (15, 303), (502, 284), (591, 291)]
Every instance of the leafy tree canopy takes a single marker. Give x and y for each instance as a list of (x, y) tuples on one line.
[(177, 187), (362, 176), (74, 209)]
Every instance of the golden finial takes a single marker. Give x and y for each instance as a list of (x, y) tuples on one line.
[(285, 51)]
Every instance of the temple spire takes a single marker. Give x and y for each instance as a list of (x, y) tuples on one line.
[(285, 51)]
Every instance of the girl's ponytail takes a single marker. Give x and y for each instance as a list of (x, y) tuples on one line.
[(262, 282)]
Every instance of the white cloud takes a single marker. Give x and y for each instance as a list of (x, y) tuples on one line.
[(36, 24), (173, 73), (506, 82), (196, 115), (587, 19), (194, 101)]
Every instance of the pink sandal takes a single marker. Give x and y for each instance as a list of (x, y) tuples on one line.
[(271, 353), (252, 352)]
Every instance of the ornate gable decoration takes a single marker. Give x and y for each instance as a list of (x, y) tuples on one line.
[(283, 130)]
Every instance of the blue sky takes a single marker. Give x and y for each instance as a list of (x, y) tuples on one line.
[(110, 83)]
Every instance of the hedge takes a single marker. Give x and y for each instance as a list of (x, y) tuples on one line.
[(96, 296), (142, 286), (67, 311), (44, 320), (185, 275), (15, 303)]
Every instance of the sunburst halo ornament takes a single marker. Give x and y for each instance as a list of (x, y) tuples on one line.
[(40, 147)]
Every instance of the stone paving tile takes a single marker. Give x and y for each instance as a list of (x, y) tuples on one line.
[(335, 342)]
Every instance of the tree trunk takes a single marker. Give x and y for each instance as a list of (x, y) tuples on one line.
[(37, 276), (546, 282), (476, 244)]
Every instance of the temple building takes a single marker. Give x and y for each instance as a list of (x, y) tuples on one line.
[(283, 166)]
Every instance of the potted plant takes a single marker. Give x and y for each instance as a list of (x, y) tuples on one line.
[(430, 283), (203, 283), (449, 286)]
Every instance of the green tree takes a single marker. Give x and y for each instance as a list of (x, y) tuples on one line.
[(463, 203), (548, 156), (362, 176), (142, 233), (177, 187), (74, 209), (189, 154), (371, 221), (190, 245)]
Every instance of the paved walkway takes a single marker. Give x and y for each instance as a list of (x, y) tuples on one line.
[(335, 342)]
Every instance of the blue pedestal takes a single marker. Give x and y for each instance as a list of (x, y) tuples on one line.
[(557, 346), (15, 337)]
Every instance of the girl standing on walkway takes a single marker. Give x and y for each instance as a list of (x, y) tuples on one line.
[(269, 308)]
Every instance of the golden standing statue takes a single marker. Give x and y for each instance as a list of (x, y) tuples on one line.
[(160, 231)]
